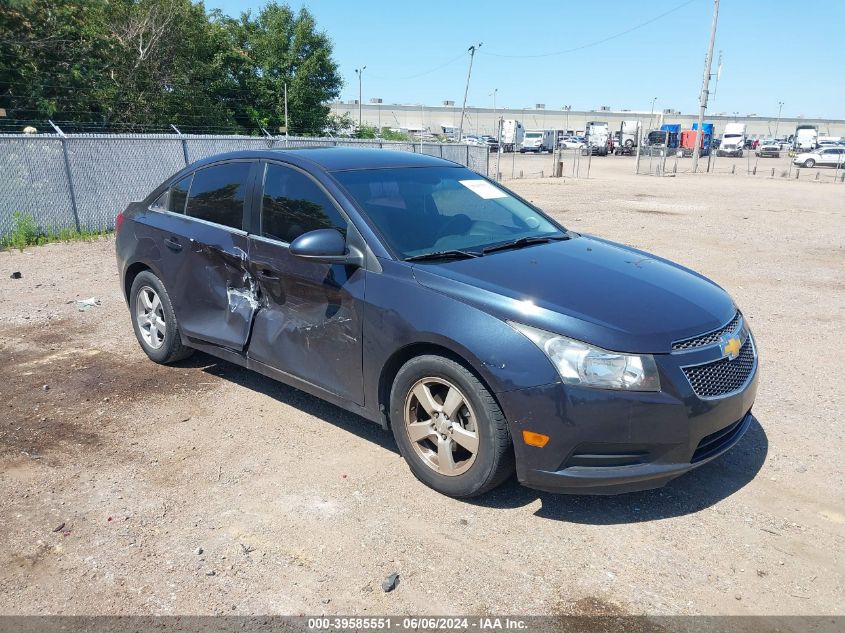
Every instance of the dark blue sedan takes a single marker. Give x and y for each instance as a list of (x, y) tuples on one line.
[(433, 301)]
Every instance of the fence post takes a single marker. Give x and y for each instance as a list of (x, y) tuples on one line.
[(70, 185), (184, 143), (639, 145), (68, 175), (466, 163)]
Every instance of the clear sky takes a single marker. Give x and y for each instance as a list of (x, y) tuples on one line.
[(415, 52)]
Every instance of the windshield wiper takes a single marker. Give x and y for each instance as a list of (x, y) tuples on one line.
[(525, 241), (450, 254)]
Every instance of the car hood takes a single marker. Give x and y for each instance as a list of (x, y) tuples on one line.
[(590, 289)]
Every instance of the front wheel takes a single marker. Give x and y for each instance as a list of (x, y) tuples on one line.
[(449, 428), (809, 163), (154, 321)]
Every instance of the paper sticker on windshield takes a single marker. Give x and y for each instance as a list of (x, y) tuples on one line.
[(483, 189)]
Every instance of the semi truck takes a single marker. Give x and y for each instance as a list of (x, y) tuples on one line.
[(733, 140), (596, 136), (512, 134), (806, 138), (627, 137), (673, 137), (704, 143), (538, 141)]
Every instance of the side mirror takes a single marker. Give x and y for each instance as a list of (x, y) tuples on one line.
[(326, 246)]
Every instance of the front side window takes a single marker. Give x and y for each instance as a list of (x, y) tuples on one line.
[(432, 209), (217, 194), (294, 204)]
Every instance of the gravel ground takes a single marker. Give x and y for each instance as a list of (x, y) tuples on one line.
[(130, 488)]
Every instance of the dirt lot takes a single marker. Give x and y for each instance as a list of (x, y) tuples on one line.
[(126, 487)]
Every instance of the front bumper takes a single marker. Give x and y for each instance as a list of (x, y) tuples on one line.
[(611, 442)]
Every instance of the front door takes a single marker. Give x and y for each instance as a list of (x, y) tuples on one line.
[(310, 321), (214, 296)]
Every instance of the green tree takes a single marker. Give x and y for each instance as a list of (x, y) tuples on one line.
[(133, 64), (276, 47)]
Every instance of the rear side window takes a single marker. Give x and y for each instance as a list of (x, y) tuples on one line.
[(174, 198), (293, 204), (217, 194)]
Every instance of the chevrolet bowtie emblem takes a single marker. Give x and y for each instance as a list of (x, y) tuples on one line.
[(730, 346)]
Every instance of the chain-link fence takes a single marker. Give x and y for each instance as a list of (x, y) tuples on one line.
[(82, 181), (658, 160)]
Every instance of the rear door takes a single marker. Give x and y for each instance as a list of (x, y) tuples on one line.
[(213, 294), (310, 322)]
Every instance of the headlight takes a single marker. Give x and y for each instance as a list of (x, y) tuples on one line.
[(582, 364)]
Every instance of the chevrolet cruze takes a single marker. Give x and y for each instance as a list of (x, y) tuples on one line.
[(439, 304)]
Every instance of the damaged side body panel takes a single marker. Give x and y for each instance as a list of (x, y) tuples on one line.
[(310, 319)]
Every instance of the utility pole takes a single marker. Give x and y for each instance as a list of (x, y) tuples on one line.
[(360, 73), (287, 123), (651, 114), (718, 76), (471, 50), (495, 90), (777, 121), (704, 88)]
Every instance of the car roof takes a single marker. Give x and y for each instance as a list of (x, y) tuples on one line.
[(336, 158)]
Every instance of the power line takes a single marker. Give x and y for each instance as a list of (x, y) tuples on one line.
[(597, 42), (426, 72)]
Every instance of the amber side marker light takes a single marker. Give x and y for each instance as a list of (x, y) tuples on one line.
[(535, 439)]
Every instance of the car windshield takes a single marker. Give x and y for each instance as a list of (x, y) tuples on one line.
[(424, 210)]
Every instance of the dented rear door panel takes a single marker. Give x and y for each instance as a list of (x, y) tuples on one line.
[(310, 319), (216, 295)]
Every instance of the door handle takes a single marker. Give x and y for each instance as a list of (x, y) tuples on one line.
[(173, 244), (264, 273)]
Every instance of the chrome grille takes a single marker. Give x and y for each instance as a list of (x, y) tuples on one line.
[(710, 338), (722, 377)]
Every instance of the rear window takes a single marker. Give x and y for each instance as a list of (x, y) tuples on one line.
[(217, 194), (174, 198)]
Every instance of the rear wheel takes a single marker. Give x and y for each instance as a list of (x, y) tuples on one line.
[(154, 321), (449, 427)]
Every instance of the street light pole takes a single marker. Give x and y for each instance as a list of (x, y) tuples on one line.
[(651, 114), (708, 62), (495, 90), (471, 50), (360, 73), (777, 121)]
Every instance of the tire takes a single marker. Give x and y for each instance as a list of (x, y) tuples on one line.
[(739, 154), (809, 163), (629, 143), (148, 296), (470, 474)]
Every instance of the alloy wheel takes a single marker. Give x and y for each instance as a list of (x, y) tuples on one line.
[(441, 426), (149, 314)]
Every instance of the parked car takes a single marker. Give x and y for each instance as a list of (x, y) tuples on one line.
[(571, 143), (833, 156), (769, 148), (429, 299), (491, 142)]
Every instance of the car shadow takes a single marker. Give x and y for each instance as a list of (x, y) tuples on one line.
[(305, 402), (689, 493)]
